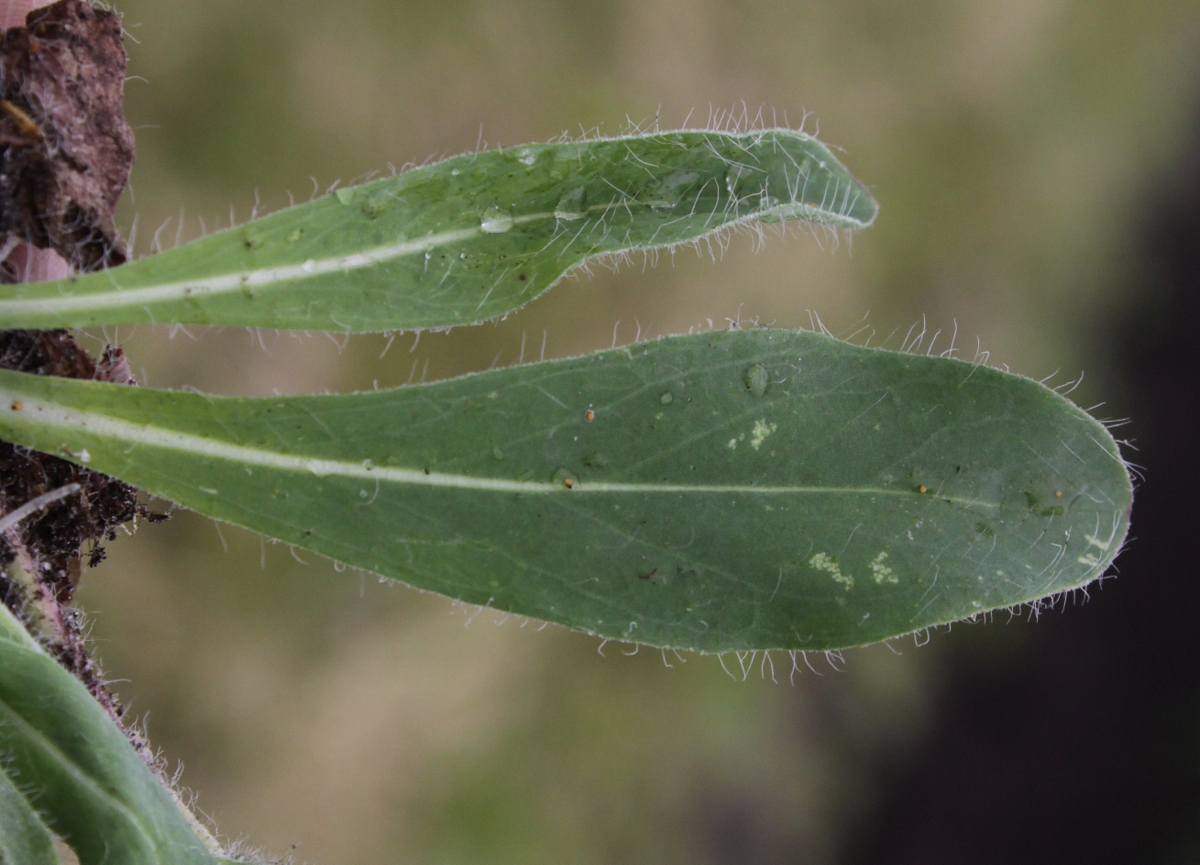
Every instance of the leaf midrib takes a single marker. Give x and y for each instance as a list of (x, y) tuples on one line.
[(55, 416)]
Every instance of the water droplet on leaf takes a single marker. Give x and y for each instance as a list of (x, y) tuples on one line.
[(668, 192), (737, 181), (495, 221), (572, 206)]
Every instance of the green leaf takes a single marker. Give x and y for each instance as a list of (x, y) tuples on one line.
[(722, 491), (461, 241), (24, 838), (76, 765)]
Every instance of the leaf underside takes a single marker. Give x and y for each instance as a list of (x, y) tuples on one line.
[(87, 782), (721, 491), (461, 241)]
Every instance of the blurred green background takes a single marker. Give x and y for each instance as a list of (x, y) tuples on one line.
[(1012, 145)]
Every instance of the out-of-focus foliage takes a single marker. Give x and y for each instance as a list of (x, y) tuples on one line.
[(366, 723)]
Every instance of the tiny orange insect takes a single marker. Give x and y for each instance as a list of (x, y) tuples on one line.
[(922, 489), (589, 416), (569, 483), (17, 405)]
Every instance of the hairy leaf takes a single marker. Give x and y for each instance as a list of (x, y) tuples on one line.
[(24, 838), (461, 241), (84, 777), (727, 490)]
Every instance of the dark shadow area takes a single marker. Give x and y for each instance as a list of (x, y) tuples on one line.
[(1085, 747)]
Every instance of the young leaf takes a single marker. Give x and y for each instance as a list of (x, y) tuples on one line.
[(727, 490), (463, 240), (24, 838), (77, 767)]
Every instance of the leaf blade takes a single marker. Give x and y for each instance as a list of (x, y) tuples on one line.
[(24, 838), (741, 490), (91, 786), (461, 241)]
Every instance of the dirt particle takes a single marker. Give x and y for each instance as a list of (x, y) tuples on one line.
[(65, 148)]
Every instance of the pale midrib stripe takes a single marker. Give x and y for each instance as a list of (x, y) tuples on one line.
[(53, 416), (250, 280), (247, 280)]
